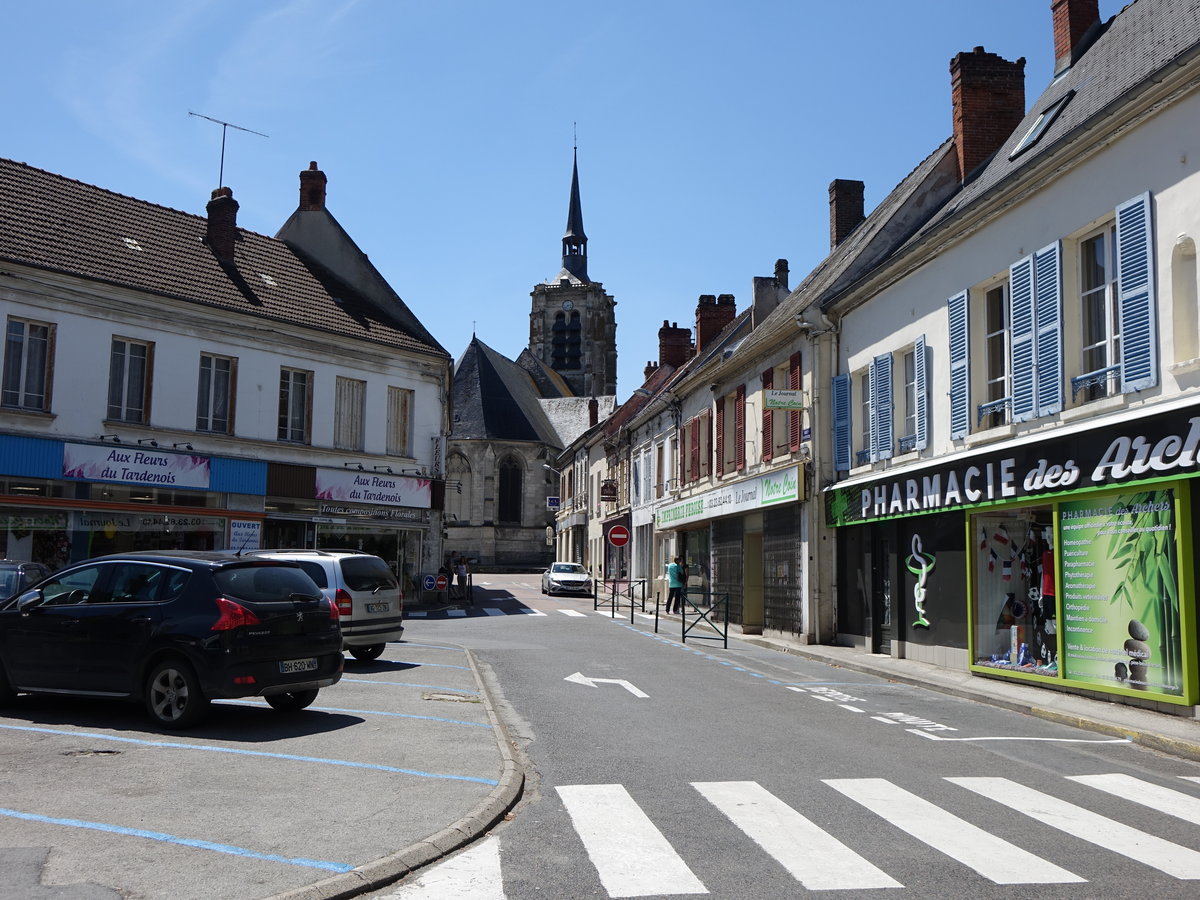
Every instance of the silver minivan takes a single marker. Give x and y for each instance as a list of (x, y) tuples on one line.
[(364, 589)]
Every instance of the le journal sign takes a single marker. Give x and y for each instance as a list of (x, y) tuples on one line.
[(1156, 447)]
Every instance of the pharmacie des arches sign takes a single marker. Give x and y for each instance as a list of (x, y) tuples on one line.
[(743, 496), (1157, 446)]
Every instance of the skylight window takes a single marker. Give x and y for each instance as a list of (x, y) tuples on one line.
[(267, 278), (132, 244), (1044, 121)]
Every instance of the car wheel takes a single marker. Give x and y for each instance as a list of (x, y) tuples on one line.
[(292, 701), (7, 695), (366, 654), (173, 695)]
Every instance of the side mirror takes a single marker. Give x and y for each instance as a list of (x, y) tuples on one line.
[(29, 600)]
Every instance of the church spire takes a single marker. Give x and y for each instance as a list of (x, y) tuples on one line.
[(574, 242)]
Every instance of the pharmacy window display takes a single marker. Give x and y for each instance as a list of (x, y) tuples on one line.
[(1085, 590)]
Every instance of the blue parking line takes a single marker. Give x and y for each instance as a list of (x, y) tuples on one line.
[(434, 647), (423, 665), (436, 687), (367, 712), (183, 842), (171, 745)]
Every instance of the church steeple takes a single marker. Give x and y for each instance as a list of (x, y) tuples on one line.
[(574, 242)]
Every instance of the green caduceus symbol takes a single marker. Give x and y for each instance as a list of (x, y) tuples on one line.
[(920, 564)]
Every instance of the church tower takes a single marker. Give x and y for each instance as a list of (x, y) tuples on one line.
[(572, 323)]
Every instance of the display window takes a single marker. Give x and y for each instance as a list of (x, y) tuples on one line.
[(1087, 590)]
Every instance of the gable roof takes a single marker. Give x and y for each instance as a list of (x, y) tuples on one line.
[(495, 399), (57, 224)]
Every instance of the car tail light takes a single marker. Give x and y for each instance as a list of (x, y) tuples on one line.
[(233, 615), (345, 603), (334, 612), (245, 679)]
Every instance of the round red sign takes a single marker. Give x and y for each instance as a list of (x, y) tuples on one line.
[(442, 582), (618, 535)]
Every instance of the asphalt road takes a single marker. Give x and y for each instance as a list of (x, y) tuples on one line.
[(662, 768)]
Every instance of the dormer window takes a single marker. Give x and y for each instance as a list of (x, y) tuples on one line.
[(1044, 121)]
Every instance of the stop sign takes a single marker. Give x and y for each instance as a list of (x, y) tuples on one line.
[(618, 535)]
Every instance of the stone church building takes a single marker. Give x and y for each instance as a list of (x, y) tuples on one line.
[(512, 417)]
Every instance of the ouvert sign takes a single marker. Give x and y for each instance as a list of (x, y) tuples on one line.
[(742, 496)]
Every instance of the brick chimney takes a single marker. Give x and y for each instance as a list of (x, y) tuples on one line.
[(674, 344), (845, 209), (593, 411), (222, 224), (989, 103), (651, 368), (781, 273), (712, 315), (1072, 19), (312, 188)]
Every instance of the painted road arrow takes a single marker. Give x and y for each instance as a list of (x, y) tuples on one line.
[(580, 678)]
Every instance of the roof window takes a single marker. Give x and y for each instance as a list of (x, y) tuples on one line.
[(267, 278), (132, 244), (1044, 121)]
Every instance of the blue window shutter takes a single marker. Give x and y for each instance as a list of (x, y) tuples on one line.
[(841, 423), (1047, 266), (1135, 291), (1024, 348), (921, 370), (960, 372), (882, 438)]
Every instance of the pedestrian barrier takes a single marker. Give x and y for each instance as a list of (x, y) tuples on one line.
[(712, 610), (614, 591)]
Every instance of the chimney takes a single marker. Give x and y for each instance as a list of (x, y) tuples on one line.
[(989, 103), (712, 315), (674, 344), (845, 209), (767, 291), (1072, 19), (222, 224), (651, 368), (593, 411), (312, 188)]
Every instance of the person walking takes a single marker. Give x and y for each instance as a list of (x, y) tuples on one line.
[(676, 583), (461, 572)]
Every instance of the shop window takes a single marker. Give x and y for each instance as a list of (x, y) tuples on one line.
[(130, 364), (349, 408), (295, 405), (215, 393), (28, 360)]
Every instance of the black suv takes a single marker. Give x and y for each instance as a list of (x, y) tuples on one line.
[(175, 630)]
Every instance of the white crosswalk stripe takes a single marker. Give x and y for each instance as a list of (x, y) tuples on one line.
[(990, 856), (631, 856), (1173, 803), (473, 874), (572, 612), (1089, 826), (813, 857)]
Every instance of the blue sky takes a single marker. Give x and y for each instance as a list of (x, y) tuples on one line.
[(708, 132)]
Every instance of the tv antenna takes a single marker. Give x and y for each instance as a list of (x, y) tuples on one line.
[(224, 127)]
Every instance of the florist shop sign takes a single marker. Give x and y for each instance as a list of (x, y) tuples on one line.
[(753, 493), (1127, 452)]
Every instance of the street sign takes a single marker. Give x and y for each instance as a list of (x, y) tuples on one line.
[(552, 503), (442, 582), (549, 535), (429, 582), (618, 535)]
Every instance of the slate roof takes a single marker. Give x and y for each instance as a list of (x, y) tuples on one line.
[(57, 224), (496, 399)]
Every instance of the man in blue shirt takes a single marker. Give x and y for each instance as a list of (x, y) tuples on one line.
[(676, 584)]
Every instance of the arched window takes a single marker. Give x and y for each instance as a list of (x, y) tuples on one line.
[(574, 341), (509, 491), (458, 489)]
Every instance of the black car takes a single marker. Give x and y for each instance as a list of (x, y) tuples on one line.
[(175, 630)]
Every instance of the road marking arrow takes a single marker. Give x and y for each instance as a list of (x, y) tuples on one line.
[(580, 678)]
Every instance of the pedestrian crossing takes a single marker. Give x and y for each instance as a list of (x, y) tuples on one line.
[(479, 611), (632, 856)]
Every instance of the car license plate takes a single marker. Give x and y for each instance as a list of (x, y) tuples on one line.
[(288, 666), (378, 607)]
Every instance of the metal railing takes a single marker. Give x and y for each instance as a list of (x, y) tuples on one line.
[(700, 608), (610, 593)]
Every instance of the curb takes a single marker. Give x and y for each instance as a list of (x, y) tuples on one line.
[(388, 869)]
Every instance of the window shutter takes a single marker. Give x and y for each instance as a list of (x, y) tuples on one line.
[(1024, 350), (1047, 264), (768, 418), (1135, 293), (682, 473), (960, 373), (921, 371), (841, 423), (739, 428), (794, 415), (881, 407), (720, 436), (695, 454)]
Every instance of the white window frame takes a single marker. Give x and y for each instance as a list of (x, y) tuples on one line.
[(21, 365)]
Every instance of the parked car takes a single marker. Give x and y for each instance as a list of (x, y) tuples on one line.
[(17, 576), (175, 630), (566, 576), (366, 592)]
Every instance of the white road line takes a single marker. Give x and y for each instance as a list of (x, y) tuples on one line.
[(1173, 803), (819, 697), (1191, 778), (934, 737), (473, 874), (532, 612), (631, 856), (1088, 826), (813, 857), (572, 612), (492, 611), (993, 858), (885, 720), (849, 707), (798, 690)]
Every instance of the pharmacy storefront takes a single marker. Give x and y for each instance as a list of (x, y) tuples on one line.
[(743, 540), (1068, 561)]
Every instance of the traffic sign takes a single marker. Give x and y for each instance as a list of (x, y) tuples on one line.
[(442, 582), (429, 582), (618, 535)]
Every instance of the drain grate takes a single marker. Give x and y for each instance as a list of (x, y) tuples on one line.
[(88, 751)]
